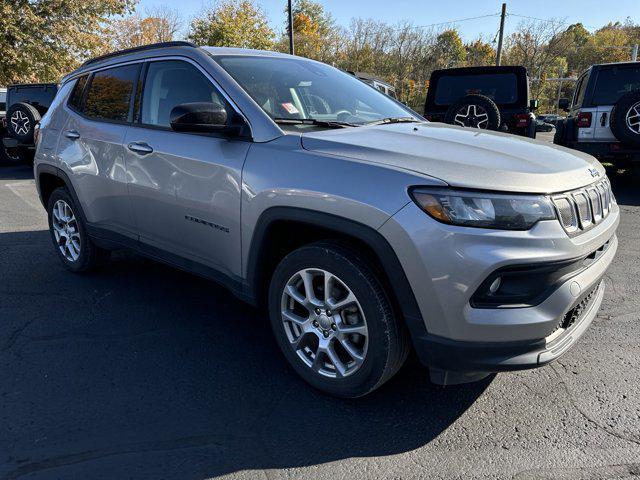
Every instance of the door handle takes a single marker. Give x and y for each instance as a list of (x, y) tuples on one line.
[(72, 134), (140, 147)]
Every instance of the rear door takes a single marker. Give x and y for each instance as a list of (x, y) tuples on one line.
[(99, 113), (184, 188), (612, 82)]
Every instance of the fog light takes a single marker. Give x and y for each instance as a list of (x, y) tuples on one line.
[(495, 285)]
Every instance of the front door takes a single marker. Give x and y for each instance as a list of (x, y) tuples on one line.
[(184, 188)]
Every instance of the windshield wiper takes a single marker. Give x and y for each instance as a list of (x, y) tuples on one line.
[(384, 121), (313, 121)]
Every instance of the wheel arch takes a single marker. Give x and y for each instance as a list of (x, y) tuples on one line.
[(48, 178), (272, 240)]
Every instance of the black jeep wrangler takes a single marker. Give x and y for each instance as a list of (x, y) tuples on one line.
[(604, 114), (25, 106), (492, 98)]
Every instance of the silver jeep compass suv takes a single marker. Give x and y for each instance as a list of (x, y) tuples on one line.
[(363, 229)]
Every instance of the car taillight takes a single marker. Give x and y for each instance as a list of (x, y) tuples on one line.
[(584, 120), (522, 119)]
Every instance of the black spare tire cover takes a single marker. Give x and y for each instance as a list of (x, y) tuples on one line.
[(477, 111), (21, 121), (625, 119)]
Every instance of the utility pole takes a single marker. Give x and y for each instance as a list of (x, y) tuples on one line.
[(292, 50), (502, 16), (634, 53)]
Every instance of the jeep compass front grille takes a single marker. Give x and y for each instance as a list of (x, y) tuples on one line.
[(581, 209)]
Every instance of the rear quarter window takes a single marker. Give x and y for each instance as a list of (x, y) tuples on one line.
[(501, 88), (75, 100), (110, 93), (613, 83)]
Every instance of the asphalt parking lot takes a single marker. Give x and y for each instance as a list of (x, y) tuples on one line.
[(140, 371)]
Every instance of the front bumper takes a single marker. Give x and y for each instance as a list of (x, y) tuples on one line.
[(445, 265)]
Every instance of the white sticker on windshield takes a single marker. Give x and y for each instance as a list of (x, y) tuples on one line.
[(290, 108)]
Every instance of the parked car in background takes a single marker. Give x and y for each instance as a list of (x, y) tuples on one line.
[(604, 114), (491, 98), (25, 106), (365, 231), (551, 118), (377, 83), (8, 156), (543, 126)]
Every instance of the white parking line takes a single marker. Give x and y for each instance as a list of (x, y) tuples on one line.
[(26, 191)]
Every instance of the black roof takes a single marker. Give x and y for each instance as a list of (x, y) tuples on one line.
[(482, 70)]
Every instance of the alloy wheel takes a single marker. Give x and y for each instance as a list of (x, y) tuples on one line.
[(324, 323), (20, 123), (633, 118), (65, 230), (472, 116)]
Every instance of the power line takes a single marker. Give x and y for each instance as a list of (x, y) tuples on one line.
[(450, 21)]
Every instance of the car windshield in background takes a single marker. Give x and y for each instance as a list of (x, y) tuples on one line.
[(294, 91), (3, 101), (502, 88), (614, 82)]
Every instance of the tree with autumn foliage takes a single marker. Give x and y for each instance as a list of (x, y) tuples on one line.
[(42, 40), (159, 24), (232, 23)]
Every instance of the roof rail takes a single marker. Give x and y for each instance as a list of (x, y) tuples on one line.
[(151, 46)]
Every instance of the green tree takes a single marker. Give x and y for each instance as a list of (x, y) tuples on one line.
[(479, 53), (42, 40), (448, 50), (233, 23), (316, 34)]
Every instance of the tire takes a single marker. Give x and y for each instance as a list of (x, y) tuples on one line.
[(625, 119), (87, 254), (558, 137), (378, 343), (477, 111), (21, 121)]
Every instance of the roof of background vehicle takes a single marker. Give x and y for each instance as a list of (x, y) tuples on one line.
[(23, 85), (369, 76), (480, 70), (637, 64)]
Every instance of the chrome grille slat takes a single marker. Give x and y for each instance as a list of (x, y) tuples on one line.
[(581, 209)]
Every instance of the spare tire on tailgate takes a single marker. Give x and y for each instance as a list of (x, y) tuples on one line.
[(625, 119), (477, 111), (21, 121)]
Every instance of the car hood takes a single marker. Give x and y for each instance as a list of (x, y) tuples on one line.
[(463, 157)]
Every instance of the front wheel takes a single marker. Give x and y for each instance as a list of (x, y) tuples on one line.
[(334, 322)]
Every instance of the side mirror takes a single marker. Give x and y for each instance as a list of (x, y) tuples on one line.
[(563, 104), (533, 105), (199, 117)]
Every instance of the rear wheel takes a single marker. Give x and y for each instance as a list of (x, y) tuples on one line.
[(334, 322), (69, 234), (10, 156)]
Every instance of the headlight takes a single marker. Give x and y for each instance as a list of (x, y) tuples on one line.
[(484, 210)]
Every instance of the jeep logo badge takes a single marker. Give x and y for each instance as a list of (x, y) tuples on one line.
[(594, 173)]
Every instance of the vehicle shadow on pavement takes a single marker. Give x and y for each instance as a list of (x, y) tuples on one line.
[(625, 187), (142, 371)]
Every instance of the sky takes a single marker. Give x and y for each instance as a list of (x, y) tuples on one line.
[(592, 13)]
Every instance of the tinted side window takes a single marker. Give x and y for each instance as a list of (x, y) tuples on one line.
[(110, 92), (171, 83), (75, 100), (581, 88), (3, 101)]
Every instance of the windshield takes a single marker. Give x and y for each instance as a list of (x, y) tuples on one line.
[(613, 83), (502, 88), (290, 89)]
